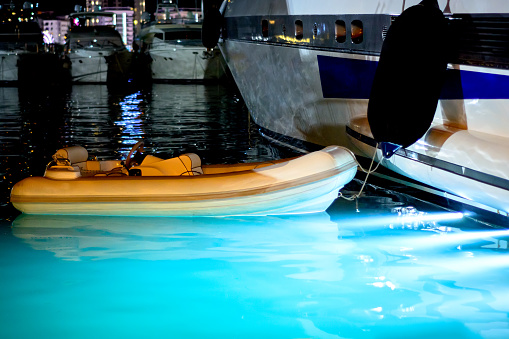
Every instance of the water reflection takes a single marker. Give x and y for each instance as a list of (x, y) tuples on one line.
[(159, 238), (11, 155), (131, 122), (314, 275)]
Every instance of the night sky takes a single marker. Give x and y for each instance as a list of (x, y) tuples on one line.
[(67, 6)]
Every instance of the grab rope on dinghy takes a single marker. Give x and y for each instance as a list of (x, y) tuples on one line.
[(368, 172)]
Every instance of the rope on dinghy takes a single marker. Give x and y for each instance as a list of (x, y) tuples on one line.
[(368, 172)]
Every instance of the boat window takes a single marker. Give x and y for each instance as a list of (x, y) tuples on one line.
[(340, 31), (191, 34), (265, 28), (357, 31), (299, 30)]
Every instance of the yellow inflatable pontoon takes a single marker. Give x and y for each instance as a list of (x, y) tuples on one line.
[(181, 186)]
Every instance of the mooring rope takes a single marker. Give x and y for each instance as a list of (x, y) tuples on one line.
[(368, 172)]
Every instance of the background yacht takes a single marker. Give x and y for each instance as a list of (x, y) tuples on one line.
[(95, 48), (173, 41), (23, 56)]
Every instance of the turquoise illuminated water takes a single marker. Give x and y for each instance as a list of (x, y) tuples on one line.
[(388, 266)]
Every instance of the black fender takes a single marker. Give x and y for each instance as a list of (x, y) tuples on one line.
[(211, 27), (409, 76)]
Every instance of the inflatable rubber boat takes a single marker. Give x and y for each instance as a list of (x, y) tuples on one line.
[(181, 186)]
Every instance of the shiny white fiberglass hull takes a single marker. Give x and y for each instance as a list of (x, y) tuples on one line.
[(8, 66), (284, 92), (88, 65), (176, 62)]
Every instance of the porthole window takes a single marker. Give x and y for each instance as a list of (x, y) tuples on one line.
[(340, 31), (357, 31), (299, 30), (265, 28)]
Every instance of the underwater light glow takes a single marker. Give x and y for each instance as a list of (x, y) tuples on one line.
[(436, 217), (463, 236), (381, 220), (380, 284)]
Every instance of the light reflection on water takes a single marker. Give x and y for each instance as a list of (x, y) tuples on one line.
[(131, 122), (320, 275)]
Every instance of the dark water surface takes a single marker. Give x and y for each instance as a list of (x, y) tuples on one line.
[(386, 266)]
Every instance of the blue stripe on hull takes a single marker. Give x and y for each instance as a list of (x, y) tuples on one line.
[(346, 78), (352, 79)]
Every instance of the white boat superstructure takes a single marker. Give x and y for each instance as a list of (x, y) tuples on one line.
[(306, 72), (97, 52), (173, 41)]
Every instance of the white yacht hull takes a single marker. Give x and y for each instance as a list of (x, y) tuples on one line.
[(281, 88), (173, 62), (291, 89), (90, 66), (96, 50), (8, 66)]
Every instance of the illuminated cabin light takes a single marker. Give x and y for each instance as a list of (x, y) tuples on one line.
[(291, 39), (299, 30), (357, 31)]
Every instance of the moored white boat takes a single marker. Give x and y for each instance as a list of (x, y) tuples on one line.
[(96, 50), (24, 58), (173, 42), (183, 187), (307, 72)]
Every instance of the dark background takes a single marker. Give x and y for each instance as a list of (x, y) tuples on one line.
[(67, 6)]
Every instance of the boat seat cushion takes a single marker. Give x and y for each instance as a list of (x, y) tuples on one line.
[(75, 155), (102, 168), (188, 164), (192, 162)]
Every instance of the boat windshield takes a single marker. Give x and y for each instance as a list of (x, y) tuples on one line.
[(90, 37), (191, 34), (90, 43)]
